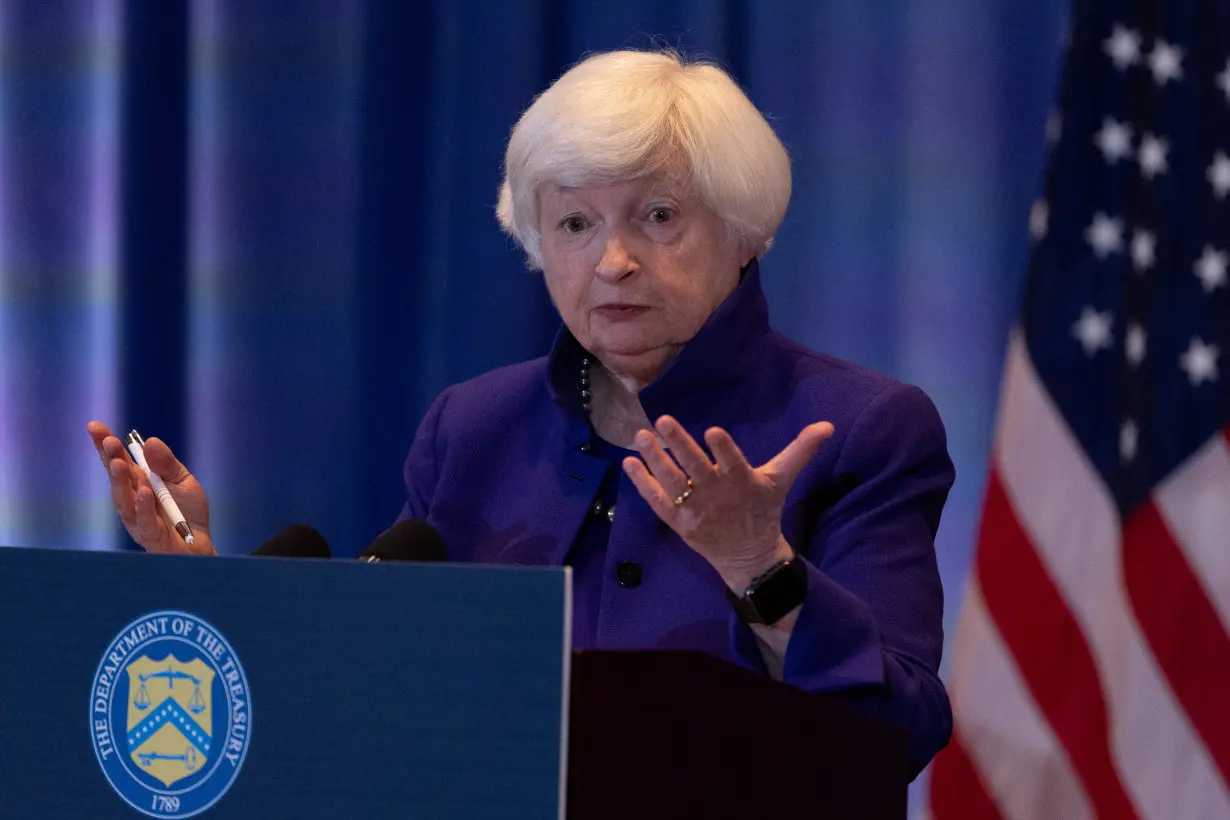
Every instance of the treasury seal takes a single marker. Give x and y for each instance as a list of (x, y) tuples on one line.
[(170, 714)]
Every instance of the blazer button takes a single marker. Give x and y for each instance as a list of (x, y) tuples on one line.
[(628, 573)]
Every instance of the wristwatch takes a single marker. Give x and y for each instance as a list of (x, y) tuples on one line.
[(773, 593)]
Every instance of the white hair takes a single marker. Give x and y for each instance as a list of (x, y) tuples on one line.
[(624, 115)]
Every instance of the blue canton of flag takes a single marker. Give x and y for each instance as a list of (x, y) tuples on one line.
[(1127, 311)]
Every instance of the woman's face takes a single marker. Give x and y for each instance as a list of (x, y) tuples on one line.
[(635, 269)]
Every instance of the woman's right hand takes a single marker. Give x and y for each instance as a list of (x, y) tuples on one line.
[(134, 498)]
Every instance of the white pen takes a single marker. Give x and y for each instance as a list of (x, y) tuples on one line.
[(136, 446)]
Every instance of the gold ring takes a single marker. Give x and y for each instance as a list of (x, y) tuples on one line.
[(685, 495)]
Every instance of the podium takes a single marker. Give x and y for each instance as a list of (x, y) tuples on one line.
[(169, 686)]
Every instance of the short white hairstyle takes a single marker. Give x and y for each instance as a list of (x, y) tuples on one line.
[(625, 115)]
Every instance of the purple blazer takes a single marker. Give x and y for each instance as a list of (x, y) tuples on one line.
[(501, 467)]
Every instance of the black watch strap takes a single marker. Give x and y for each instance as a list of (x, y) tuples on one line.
[(773, 594)]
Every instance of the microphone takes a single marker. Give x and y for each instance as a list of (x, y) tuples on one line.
[(409, 540), (296, 541)]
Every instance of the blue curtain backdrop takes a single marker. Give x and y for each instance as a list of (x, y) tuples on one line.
[(264, 231)]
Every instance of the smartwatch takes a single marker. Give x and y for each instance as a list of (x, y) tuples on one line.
[(773, 593)]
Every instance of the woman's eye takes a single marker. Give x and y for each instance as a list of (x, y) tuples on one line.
[(573, 223), (660, 215)]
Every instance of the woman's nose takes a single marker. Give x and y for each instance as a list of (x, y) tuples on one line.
[(616, 261)]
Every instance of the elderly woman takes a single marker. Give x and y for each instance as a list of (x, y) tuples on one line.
[(799, 538)]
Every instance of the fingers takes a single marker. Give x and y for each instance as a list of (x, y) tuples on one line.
[(135, 478), (105, 444), (649, 488), (98, 433), (163, 462), (689, 455), (148, 530), (730, 459), (131, 493), (785, 467), (123, 496), (119, 468), (660, 464)]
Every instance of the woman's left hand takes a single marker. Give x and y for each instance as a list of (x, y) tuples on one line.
[(731, 512)]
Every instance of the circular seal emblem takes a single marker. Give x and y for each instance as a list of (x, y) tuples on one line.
[(170, 714)]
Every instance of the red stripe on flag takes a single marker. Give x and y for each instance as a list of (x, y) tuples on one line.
[(1049, 649), (957, 791), (1181, 626)]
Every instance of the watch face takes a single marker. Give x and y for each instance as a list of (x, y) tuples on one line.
[(781, 591), (769, 573), (778, 591)]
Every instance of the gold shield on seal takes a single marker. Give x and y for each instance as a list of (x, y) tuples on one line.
[(170, 716)]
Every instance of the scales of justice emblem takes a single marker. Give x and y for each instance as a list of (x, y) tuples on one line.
[(170, 717), (170, 714)]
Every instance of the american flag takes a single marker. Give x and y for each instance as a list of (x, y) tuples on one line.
[(1091, 674)]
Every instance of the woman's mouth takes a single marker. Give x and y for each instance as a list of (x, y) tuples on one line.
[(618, 311)]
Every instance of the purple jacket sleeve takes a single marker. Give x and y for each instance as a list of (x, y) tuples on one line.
[(422, 467), (872, 622)]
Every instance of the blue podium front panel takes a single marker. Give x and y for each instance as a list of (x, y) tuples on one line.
[(172, 687)]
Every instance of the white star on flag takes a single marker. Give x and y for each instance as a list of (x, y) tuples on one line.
[(1092, 330), (1039, 215), (1211, 268), (1144, 245), (1134, 344), (1153, 152), (1105, 234), (1114, 140), (1165, 61), (1200, 362), (1219, 174), (1128, 438), (1123, 46), (1223, 80)]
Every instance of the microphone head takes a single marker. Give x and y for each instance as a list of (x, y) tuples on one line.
[(409, 540), (296, 541)]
